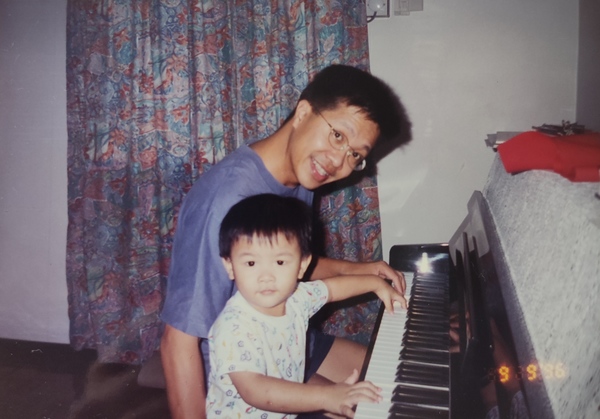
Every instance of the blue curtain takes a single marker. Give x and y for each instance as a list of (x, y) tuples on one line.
[(158, 92)]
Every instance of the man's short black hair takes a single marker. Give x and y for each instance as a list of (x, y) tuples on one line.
[(265, 216), (342, 84)]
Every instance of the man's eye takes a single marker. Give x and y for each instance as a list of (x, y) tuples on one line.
[(337, 136), (357, 157)]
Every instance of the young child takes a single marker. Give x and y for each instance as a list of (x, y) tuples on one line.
[(258, 342)]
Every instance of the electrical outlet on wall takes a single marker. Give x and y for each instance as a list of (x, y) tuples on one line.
[(378, 8)]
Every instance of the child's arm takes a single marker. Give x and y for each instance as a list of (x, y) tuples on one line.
[(278, 395), (346, 286)]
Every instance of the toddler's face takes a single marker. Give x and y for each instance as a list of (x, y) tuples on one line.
[(266, 271)]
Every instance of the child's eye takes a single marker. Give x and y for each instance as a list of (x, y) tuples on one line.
[(250, 263), (280, 262)]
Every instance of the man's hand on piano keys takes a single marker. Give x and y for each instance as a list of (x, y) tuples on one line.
[(390, 297), (382, 270), (346, 286)]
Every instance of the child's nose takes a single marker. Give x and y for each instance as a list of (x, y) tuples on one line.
[(266, 276)]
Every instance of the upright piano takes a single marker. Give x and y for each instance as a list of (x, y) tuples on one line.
[(474, 342)]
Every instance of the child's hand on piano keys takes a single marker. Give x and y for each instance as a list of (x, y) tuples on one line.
[(348, 394)]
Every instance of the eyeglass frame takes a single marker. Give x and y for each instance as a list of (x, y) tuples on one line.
[(345, 146)]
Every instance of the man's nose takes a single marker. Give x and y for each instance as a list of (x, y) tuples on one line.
[(338, 157)]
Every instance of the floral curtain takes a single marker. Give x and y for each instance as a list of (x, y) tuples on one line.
[(158, 91)]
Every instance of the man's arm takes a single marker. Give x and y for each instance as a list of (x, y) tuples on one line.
[(184, 373), (278, 395), (326, 268)]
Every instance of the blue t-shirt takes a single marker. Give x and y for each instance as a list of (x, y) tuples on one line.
[(198, 285)]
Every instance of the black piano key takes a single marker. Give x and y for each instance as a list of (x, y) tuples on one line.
[(423, 292), (425, 336), (431, 303), (424, 345), (425, 369), (436, 353), (426, 357), (435, 336), (431, 318), (434, 312), (435, 305), (422, 358), (423, 324), (416, 412), (427, 311), (429, 287), (420, 396), (426, 330), (423, 374)]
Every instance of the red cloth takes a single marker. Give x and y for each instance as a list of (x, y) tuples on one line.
[(576, 157)]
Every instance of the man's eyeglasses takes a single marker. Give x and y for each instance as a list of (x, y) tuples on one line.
[(339, 142)]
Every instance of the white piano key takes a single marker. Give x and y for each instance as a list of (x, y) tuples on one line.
[(372, 410)]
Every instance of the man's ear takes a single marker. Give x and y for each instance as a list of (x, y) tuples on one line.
[(303, 110), (304, 263), (228, 267)]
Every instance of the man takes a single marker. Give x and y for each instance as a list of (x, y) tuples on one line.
[(340, 118)]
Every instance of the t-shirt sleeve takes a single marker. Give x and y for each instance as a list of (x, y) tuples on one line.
[(198, 286), (311, 295), (235, 346)]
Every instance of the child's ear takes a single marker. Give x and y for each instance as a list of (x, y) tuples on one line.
[(228, 267), (304, 263)]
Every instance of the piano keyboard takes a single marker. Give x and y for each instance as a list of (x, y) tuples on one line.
[(410, 359)]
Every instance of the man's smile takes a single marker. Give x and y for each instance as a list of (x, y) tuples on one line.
[(322, 174)]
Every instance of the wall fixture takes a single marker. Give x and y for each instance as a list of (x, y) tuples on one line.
[(377, 8), (381, 8)]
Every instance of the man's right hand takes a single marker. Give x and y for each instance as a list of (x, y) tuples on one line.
[(184, 374)]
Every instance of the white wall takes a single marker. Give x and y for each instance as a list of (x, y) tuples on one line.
[(464, 68), (588, 73), (33, 170)]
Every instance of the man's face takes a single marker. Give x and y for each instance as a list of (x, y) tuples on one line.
[(266, 271), (314, 158)]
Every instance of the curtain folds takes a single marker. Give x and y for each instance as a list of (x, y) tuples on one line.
[(157, 93)]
